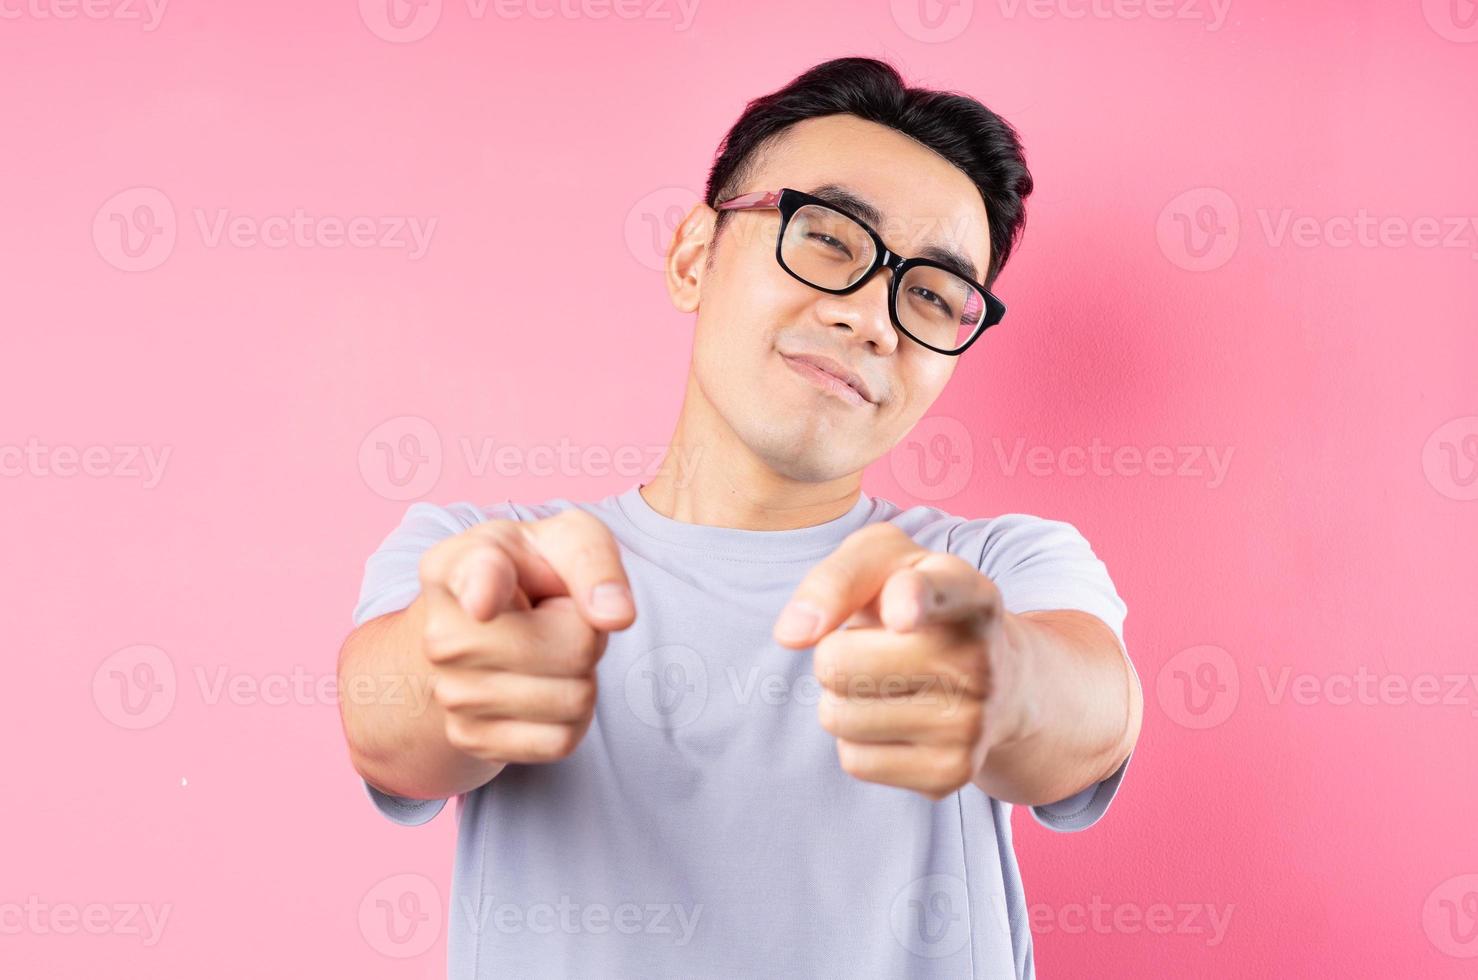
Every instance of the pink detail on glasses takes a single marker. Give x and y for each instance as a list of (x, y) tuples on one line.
[(757, 199), (974, 305)]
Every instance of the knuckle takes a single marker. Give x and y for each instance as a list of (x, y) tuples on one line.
[(550, 746), (432, 567), (584, 652), (580, 698), (882, 531), (450, 694), (440, 644), (967, 719), (949, 562), (829, 712), (952, 771), (495, 533), (851, 758), (826, 662), (582, 520), (566, 741), (462, 736)]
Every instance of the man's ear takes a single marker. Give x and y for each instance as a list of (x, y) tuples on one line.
[(687, 257)]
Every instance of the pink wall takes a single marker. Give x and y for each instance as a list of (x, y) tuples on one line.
[(1194, 276)]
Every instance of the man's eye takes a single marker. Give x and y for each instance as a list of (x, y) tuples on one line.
[(932, 297), (831, 242)]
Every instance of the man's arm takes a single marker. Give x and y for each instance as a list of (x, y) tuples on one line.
[(396, 730), (1082, 709)]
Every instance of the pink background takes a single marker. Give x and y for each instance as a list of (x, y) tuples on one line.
[(1340, 539)]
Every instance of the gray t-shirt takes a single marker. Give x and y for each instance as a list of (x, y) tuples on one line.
[(704, 826)]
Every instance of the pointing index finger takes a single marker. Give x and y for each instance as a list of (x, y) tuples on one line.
[(846, 581), (583, 553)]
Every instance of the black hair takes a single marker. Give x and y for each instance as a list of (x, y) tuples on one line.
[(955, 126)]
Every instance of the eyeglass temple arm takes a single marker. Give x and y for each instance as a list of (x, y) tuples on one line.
[(757, 199)]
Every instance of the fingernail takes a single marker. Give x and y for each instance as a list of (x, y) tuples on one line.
[(610, 599), (798, 621)]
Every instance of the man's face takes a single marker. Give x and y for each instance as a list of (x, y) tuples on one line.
[(754, 318)]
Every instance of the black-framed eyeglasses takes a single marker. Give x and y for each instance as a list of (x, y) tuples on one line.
[(828, 249)]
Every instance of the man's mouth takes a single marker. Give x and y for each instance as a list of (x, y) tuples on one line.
[(830, 376)]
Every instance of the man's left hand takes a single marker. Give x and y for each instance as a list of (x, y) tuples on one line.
[(919, 678)]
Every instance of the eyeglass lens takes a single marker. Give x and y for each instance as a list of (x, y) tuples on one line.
[(830, 250)]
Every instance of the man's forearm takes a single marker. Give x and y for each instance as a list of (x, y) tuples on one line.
[(395, 729), (1083, 710)]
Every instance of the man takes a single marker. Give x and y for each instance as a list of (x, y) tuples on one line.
[(744, 719)]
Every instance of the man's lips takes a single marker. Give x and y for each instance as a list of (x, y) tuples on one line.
[(831, 376)]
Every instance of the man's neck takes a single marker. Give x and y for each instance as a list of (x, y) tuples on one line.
[(728, 505), (709, 476)]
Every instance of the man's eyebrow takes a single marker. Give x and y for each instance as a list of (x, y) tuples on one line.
[(850, 201)]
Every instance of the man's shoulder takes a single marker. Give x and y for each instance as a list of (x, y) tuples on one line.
[(463, 514), (976, 538)]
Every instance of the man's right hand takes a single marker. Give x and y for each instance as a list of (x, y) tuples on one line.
[(516, 618)]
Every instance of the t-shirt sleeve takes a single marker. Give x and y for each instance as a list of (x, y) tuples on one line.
[(392, 580), (1041, 564)]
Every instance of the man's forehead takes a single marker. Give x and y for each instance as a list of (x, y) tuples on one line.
[(912, 230)]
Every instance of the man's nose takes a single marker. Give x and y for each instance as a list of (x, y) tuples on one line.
[(864, 312)]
